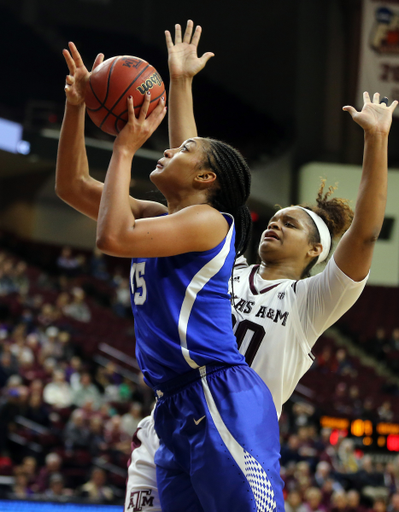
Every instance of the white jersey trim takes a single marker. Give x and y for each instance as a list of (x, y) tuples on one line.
[(201, 278)]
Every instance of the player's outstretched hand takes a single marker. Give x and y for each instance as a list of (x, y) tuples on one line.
[(138, 130), (78, 77), (183, 59), (375, 117)]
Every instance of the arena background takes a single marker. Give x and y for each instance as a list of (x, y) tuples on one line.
[(275, 89)]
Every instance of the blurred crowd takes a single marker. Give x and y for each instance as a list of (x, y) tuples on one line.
[(66, 421), (67, 416)]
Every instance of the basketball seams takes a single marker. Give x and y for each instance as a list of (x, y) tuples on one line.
[(102, 104), (105, 86), (123, 94)]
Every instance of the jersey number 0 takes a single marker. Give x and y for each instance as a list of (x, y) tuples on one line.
[(249, 330)]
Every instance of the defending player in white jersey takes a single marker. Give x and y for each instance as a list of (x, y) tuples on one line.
[(279, 312)]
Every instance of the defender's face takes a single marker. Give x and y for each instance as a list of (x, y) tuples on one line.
[(287, 235)]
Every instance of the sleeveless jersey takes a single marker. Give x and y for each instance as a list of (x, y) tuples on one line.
[(277, 322), (182, 311)]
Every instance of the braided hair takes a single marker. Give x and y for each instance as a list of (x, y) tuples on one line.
[(336, 213), (232, 188)]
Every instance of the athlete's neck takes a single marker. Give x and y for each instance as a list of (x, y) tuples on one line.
[(281, 270), (177, 204)]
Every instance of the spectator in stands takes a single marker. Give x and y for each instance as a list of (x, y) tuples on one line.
[(20, 489), (27, 468), (78, 309), (6, 278), (323, 473), (339, 501), (379, 344), (98, 266), (86, 392), (347, 460), (379, 505), (51, 345), (48, 315), (97, 443), (52, 466), (96, 489), (289, 451), (355, 402), (353, 502), (68, 264), (343, 366), (73, 372), (20, 278), (68, 349), (394, 341), (131, 419), (294, 502), (394, 503), (58, 392), (369, 480), (56, 487), (385, 412), (313, 498), (121, 304), (324, 360), (37, 411), (8, 367), (76, 434)]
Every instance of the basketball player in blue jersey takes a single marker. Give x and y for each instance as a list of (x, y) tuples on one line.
[(215, 417), (278, 314)]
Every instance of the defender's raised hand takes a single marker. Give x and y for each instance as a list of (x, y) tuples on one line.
[(183, 59), (375, 117), (78, 74)]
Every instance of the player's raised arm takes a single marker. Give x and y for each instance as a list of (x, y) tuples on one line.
[(74, 184), (355, 251), (184, 64)]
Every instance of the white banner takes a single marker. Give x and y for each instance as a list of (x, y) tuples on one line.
[(379, 50)]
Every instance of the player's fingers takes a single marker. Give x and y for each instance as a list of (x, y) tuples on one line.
[(366, 97), (130, 110), (188, 32), (204, 59), (158, 113), (98, 60), (69, 61), (70, 80), (197, 35), (393, 105), (168, 39), (177, 33), (352, 111), (75, 54), (145, 106), (376, 98)]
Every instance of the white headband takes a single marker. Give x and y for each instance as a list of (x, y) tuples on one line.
[(324, 233)]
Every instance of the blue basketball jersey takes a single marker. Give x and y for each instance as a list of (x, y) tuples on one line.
[(182, 311)]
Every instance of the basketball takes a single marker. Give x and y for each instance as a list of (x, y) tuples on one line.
[(110, 85)]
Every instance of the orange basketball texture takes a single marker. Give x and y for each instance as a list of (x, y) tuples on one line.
[(112, 82)]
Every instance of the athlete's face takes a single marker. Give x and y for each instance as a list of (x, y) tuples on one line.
[(180, 167), (288, 237)]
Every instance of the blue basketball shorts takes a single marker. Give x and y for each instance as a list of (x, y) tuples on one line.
[(219, 443)]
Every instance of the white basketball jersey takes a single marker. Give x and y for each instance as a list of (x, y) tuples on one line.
[(277, 322)]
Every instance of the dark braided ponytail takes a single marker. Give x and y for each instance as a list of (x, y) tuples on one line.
[(232, 189), (336, 213)]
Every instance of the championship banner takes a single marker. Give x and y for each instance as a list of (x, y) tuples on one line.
[(379, 50)]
